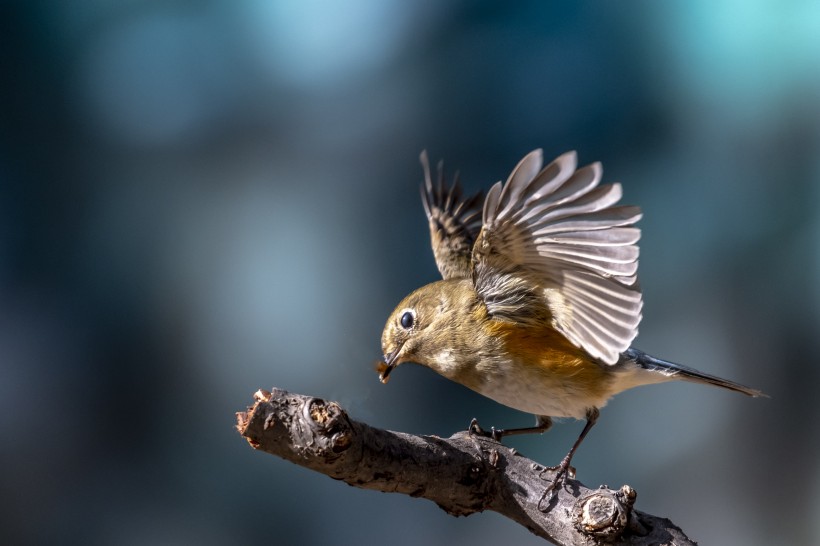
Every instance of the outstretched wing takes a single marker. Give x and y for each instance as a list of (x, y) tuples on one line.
[(454, 223), (555, 244)]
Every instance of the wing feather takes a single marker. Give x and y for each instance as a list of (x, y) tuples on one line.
[(553, 238), (520, 178), (454, 222), (592, 201), (553, 175)]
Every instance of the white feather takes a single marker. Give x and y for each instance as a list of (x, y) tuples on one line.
[(558, 230)]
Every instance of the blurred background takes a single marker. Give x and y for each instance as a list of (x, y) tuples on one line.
[(200, 199)]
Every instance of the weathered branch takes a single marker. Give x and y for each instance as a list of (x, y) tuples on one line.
[(463, 474)]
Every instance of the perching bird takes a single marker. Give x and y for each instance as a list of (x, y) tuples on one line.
[(540, 300)]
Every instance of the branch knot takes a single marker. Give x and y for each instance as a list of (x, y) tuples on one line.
[(604, 514)]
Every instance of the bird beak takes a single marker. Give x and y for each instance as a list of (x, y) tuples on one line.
[(389, 363)]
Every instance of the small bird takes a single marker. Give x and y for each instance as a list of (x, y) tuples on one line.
[(539, 301)]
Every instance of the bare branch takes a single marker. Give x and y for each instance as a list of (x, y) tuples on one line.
[(462, 474)]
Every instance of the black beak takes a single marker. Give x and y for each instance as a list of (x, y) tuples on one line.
[(389, 364)]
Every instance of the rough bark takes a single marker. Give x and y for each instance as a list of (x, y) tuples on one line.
[(462, 474)]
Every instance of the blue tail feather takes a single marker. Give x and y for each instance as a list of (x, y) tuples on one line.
[(680, 371)]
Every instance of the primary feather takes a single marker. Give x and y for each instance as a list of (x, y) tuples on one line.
[(549, 245), (454, 223), (554, 238)]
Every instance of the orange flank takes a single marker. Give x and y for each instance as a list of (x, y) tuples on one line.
[(548, 350)]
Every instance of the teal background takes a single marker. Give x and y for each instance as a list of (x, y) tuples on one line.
[(199, 199)]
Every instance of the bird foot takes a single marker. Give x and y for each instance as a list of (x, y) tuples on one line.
[(562, 471), (476, 429)]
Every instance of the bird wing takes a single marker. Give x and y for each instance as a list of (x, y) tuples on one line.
[(553, 238), (454, 222)]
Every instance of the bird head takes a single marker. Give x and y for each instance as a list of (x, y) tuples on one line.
[(417, 329)]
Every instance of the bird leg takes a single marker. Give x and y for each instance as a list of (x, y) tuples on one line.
[(564, 467), (542, 424)]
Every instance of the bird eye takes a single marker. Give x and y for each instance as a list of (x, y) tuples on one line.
[(407, 320)]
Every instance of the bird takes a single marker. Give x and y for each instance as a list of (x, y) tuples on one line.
[(539, 300)]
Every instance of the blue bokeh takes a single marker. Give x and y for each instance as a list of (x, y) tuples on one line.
[(199, 199)]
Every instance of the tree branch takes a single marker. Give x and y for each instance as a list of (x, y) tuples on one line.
[(462, 474)]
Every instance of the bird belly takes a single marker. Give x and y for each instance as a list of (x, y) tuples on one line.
[(527, 388), (539, 372)]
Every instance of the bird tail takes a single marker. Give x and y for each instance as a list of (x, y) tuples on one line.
[(679, 371)]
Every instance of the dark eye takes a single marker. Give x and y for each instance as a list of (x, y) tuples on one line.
[(407, 320)]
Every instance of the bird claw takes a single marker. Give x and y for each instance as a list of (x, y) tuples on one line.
[(562, 471), (568, 471), (476, 429)]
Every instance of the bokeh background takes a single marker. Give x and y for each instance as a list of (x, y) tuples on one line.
[(199, 199)]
